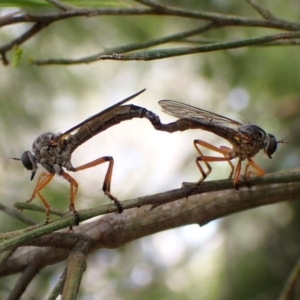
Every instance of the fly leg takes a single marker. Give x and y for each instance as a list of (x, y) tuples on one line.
[(225, 151), (237, 173), (43, 180), (73, 193), (107, 179), (256, 170)]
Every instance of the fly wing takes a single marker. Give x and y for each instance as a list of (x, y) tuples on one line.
[(207, 120), (100, 113)]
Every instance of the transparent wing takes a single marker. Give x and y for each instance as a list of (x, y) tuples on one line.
[(208, 119), (103, 112), (73, 129)]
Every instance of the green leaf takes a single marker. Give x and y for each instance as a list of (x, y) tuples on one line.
[(17, 55)]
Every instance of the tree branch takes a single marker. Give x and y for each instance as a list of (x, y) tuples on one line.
[(115, 230)]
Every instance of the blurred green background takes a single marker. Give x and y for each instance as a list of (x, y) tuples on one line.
[(244, 256)]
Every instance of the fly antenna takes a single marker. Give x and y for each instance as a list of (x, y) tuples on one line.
[(282, 141)]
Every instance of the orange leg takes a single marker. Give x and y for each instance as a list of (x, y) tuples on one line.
[(237, 173), (107, 179), (227, 152), (73, 192), (222, 150), (47, 206), (43, 180), (257, 171)]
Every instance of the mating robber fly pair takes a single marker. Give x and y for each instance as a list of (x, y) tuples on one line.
[(53, 151)]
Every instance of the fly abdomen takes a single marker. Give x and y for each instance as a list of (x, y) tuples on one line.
[(179, 125), (120, 114), (111, 118)]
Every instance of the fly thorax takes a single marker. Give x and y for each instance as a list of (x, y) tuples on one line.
[(256, 134), (252, 141), (44, 141), (65, 157), (47, 152), (72, 141)]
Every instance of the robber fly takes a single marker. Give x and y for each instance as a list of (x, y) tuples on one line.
[(53, 151), (246, 139)]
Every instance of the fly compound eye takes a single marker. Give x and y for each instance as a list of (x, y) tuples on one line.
[(27, 160), (256, 132), (272, 145), (261, 133)]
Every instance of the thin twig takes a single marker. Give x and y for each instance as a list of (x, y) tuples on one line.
[(121, 53), (166, 53), (25, 36), (295, 42), (61, 6), (222, 19), (225, 20), (43, 20), (128, 48), (261, 10), (10, 15), (57, 290), (289, 288), (79, 12), (17, 215), (23, 281)]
